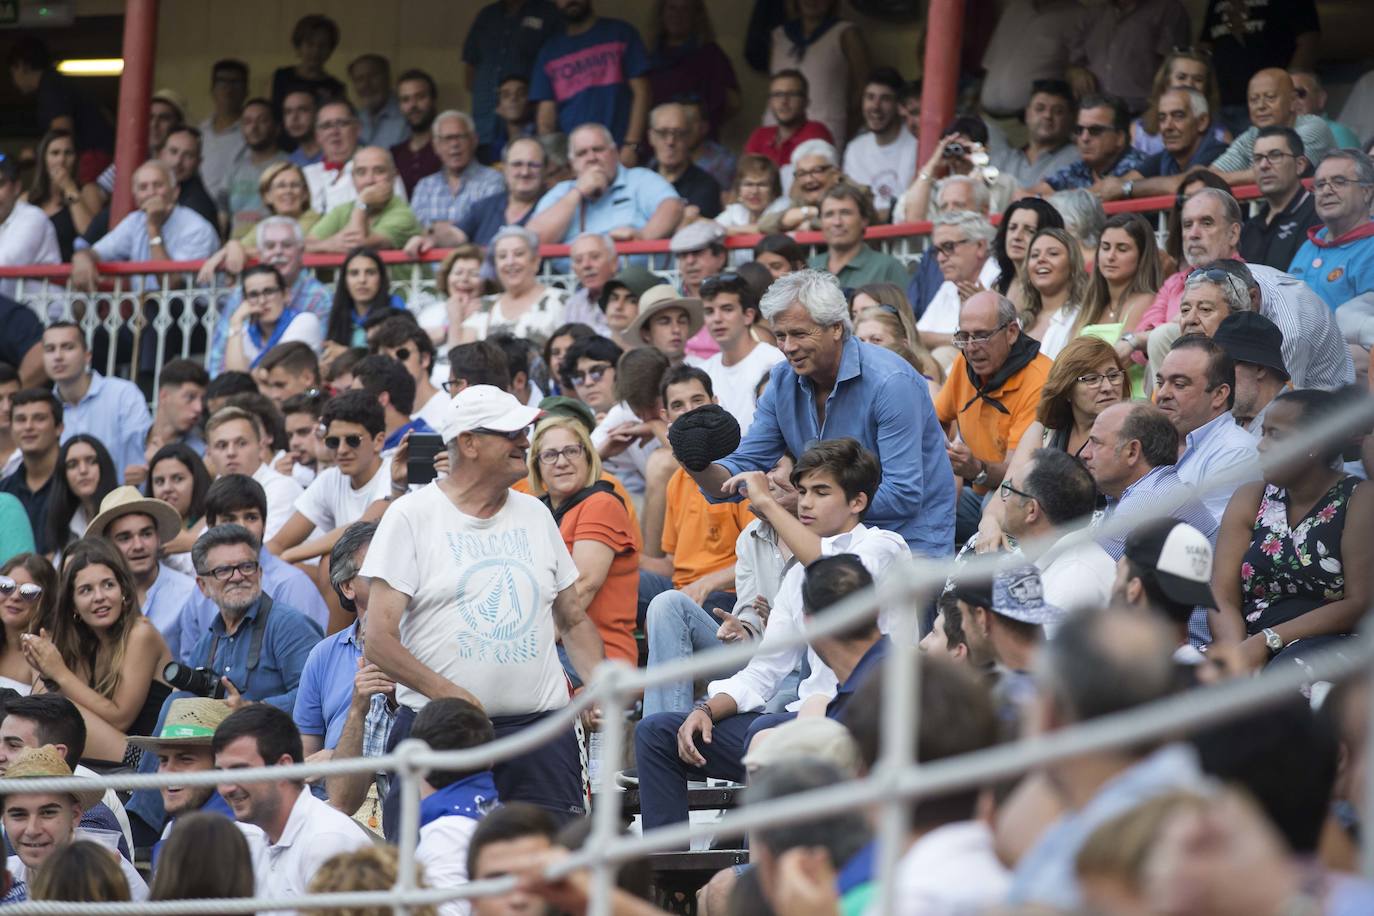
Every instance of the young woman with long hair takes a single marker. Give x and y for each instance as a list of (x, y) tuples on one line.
[(85, 476), (363, 290), (1054, 285), (178, 477)]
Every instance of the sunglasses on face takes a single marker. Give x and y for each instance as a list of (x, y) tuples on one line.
[(27, 592), (711, 285), (513, 435), (589, 377), (1092, 130), (332, 442)]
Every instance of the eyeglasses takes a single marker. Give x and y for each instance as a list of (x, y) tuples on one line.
[(1006, 489), (1093, 379), (1092, 130), (452, 138), (812, 173), (1336, 183), (225, 573), (253, 295), (1273, 158), (332, 442), (550, 456), (513, 435), (27, 592), (454, 385), (334, 125), (670, 133), (592, 375), (711, 285), (964, 339), (1220, 277), (947, 249)]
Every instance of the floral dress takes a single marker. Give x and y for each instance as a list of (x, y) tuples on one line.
[(1287, 572)]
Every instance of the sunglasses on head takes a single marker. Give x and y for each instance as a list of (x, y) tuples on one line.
[(332, 442), (27, 592)]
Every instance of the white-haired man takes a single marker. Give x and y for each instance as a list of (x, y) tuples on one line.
[(1185, 126), (605, 196), (443, 199), (595, 262), (961, 244), (833, 381)]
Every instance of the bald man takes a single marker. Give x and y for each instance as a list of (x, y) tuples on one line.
[(379, 217)]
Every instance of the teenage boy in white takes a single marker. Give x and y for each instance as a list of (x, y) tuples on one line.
[(731, 309), (354, 427), (235, 446)]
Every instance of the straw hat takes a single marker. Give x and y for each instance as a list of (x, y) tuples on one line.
[(661, 298), (191, 722), (128, 501), (46, 761)]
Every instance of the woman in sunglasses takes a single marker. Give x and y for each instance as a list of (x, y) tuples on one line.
[(28, 590), (101, 652), (266, 320)]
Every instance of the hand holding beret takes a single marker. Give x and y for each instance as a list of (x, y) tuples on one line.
[(703, 436)]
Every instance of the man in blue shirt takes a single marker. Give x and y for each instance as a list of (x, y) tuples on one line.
[(606, 196), (831, 386), (236, 499), (596, 71), (1185, 125), (111, 409), (1104, 147), (442, 200), (394, 388), (1338, 258), (504, 39)]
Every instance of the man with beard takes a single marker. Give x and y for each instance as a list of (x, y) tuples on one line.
[(240, 197), (884, 157), (787, 97), (595, 71), (415, 157), (379, 115), (183, 746)]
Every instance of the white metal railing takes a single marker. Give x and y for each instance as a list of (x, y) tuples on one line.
[(896, 776)]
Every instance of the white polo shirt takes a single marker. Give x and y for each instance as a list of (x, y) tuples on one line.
[(314, 833)]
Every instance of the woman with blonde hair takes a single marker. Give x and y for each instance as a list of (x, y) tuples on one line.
[(28, 594), (1126, 275), (372, 868), (460, 287), (1053, 287), (565, 473), (1085, 380), (883, 317), (284, 193)]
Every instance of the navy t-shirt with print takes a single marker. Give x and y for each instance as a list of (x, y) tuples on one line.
[(588, 75)]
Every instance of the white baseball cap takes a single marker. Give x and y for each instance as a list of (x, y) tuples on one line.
[(1181, 557), (484, 407)]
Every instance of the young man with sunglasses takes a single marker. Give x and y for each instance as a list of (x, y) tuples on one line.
[(1102, 135), (406, 342), (354, 427), (731, 310)]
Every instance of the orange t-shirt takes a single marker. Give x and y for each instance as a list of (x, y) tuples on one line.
[(603, 518), (989, 433), (700, 534), (523, 486)]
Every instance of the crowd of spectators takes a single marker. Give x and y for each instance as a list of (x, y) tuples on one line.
[(359, 514)]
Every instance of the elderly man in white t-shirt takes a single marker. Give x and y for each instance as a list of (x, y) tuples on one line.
[(961, 244), (484, 585)]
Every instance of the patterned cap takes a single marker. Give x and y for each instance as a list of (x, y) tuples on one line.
[(1018, 593)]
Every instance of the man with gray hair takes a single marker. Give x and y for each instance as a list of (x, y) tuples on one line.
[(957, 192), (989, 399), (1338, 258), (831, 381), (670, 134), (378, 217), (282, 245), (1314, 349), (595, 262), (443, 199), (339, 688), (961, 245), (1185, 126)]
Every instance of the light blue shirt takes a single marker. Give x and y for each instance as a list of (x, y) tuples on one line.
[(326, 687), (115, 412), (285, 583), (885, 404), (1046, 875), (630, 201), (386, 128), (166, 600), (1215, 449), (1143, 496), (186, 235)]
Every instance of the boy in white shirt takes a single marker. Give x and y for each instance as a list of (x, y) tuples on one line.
[(731, 309), (234, 438)]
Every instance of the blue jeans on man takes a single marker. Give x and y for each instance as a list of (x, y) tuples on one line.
[(652, 584)]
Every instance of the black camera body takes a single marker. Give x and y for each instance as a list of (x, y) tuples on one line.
[(954, 151), (200, 681)]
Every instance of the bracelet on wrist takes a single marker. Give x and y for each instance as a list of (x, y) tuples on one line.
[(705, 707)]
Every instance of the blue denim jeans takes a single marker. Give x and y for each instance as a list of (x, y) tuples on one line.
[(676, 627)]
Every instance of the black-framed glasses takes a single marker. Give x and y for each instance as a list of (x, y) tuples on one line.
[(550, 456), (332, 442), (813, 172), (1092, 130), (1274, 158), (592, 375), (27, 592), (1005, 489), (513, 435), (965, 339), (226, 572), (947, 249), (253, 295), (1093, 379), (454, 385)]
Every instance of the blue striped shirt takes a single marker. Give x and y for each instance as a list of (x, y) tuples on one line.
[(1161, 485), (434, 201)]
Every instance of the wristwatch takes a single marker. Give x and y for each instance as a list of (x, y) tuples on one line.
[(1126, 187), (155, 240), (1273, 641), (982, 479)]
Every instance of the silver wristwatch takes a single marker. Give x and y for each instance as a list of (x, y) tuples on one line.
[(1273, 641)]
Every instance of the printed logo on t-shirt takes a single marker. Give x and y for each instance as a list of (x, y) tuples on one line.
[(498, 595), (585, 68)]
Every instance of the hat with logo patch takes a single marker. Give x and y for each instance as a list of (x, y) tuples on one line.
[(1179, 555), (1018, 593)]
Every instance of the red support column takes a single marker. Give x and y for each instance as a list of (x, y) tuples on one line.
[(135, 89), (940, 84)]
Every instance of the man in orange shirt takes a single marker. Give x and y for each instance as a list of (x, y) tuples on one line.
[(989, 399), (686, 537)]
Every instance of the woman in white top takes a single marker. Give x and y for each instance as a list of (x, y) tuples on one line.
[(525, 307), (459, 285), (1054, 285), (265, 320), (28, 591), (831, 54)]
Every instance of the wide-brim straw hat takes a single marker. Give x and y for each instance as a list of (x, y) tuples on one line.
[(190, 722), (128, 501), (33, 762)]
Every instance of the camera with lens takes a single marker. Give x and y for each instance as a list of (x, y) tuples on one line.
[(200, 681), (955, 150)]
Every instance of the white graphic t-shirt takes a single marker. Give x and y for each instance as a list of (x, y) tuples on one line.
[(481, 596)]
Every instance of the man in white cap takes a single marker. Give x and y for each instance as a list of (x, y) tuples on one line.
[(138, 526), (699, 249), (1167, 570), (666, 322), (38, 824), (484, 584)]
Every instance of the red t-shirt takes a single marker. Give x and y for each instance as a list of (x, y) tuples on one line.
[(764, 141)]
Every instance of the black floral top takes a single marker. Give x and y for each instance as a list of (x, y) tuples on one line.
[(1289, 571)]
